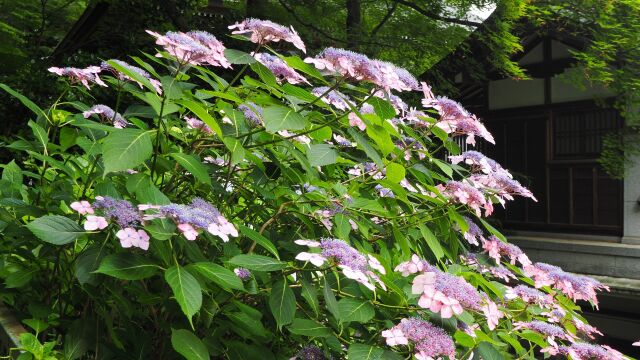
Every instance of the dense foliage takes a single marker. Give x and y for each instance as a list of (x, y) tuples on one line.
[(299, 210)]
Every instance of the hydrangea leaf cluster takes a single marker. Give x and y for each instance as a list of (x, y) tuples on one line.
[(196, 242)]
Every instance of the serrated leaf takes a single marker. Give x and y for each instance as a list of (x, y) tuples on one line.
[(432, 241), (238, 57), (330, 299), (309, 328), (185, 343), (278, 118), (218, 274), (186, 290), (265, 74), (55, 229), (395, 172), (192, 164), (257, 262), (125, 149), (201, 112), (127, 266), (321, 154), (260, 240), (486, 351), (382, 108), (355, 310), (282, 303), (25, 101), (365, 352)]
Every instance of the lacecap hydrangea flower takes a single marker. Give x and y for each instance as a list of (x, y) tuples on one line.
[(264, 31), (106, 113), (157, 85), (199, 215), (280, 69), (86, 76), (354, 265), (429, 341), (193, 47)]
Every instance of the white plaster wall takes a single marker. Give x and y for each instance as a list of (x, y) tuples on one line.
[(563, 91), (508, 93)]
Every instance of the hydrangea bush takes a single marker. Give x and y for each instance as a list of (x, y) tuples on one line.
[(254, 205)]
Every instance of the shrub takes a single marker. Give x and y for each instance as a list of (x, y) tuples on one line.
[(300, 210)]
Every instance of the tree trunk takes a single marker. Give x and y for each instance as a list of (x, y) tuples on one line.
[(354, 24)]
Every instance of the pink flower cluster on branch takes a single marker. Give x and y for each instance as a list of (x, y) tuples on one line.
[(584, 351), (440, 292), (106, 113), (429, 341), (193, 47), (454, 119), (497, 248), (577, 287), (264, 31), (354, 265), (358, 67), (464, 193), (84, 76)]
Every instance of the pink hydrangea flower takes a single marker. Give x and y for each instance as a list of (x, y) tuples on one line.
[(497, 248), (188, 231), (193, 47), (454, 119), (302, 139), (130, 237), (265, 31), (193, 123), (242, 273), (280, 69), (501, 185), (586, 329), (464, 193), (359, 67), (491, 312), (354, 265), (430, 342), (95, 223), (637, 343), (200, 215), (584, 351), (577, 287), (479, 162), (83, 207), (84, 76), (530, 295), (342, 141), (106, 113), (412, 266), (441, 292)]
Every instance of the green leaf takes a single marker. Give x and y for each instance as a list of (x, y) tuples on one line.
[(321, 154), (382, 108), (40, 134), (127, 266), (493, 230), (132, 74), (395, 172), (257, 262), (309, 328), (310, 294), (444, 167), (218, 274), (193, 165), (330, 299), (298, 64), (238, 57), (55, 229), (355, 310), (432, 241), (185, 343), (260, 240), (186, 290), (201, 112), (278, 118), (364, 352), (265, 74), (486, 351), (237, 150), (282, 303), (20, 278), (366, 146), (125, 149), (13, 174), (26, 102)]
